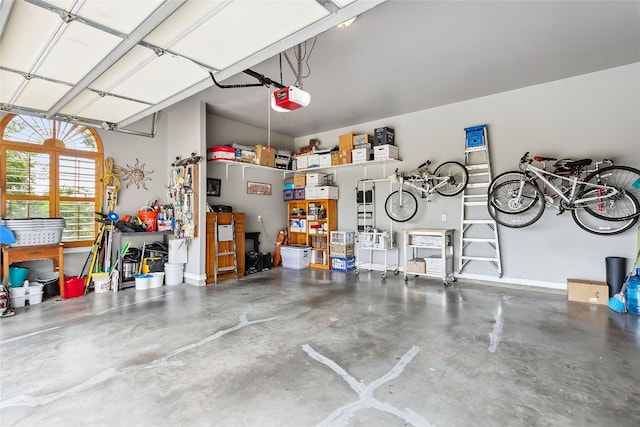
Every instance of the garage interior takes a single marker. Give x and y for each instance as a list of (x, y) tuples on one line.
[(316, 346)]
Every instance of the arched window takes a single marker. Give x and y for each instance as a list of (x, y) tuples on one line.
[(51, 169)]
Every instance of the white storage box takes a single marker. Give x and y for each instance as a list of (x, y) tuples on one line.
[(316, 179), (295, 256), (326, 192), (434, 265), (177, 251), (361, 155), (384, 152), (302, 163), (324, 160), (313, 161), (311, 193)]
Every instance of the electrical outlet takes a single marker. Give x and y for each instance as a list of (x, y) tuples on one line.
[(259, 218), (444, 217)]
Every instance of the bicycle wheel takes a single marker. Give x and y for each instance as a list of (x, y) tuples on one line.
[(505, 176), (401, 211), (621, 207), (513, 208), (507, 197), (458, 178), (600, 226), (622, 177)]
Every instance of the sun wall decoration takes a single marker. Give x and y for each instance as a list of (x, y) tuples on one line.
[(134, 174)]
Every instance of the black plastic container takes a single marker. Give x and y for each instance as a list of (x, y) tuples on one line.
[(615, 273)]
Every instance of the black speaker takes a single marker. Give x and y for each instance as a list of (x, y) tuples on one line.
[(266, 260), (252, 262)]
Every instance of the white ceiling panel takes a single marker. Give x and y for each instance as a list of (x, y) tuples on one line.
[(136, 58), (246, 27), (110, 109), (161, 78), (40, 94), (9, 82), (28, 31), (76, 52), (121, 15)]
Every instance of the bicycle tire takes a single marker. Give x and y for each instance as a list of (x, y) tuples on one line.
[(622, 177), (503, 196), (505, 176), (401, 212), (619, 208), (458, 178), (600, 226), (515, 213)]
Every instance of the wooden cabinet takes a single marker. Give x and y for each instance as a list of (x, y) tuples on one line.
[(310, 223), (227, 260)]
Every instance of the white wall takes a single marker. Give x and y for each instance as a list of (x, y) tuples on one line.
[(594, 115)]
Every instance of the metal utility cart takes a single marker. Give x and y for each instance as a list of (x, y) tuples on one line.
[(370, 239), (429, 252)]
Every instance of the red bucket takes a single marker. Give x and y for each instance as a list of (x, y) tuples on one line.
[(74, 286), (149, 217)]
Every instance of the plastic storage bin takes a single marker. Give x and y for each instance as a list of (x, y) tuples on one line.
[(296, 256), (633, 293)]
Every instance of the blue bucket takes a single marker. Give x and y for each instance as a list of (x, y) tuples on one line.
[(17, 276)]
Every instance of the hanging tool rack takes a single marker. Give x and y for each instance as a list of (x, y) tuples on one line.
[(183, 193)]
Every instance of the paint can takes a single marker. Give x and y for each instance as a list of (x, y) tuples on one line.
[(142, 281), (174, 273)]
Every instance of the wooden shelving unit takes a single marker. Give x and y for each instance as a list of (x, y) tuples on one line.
[(310, 223)]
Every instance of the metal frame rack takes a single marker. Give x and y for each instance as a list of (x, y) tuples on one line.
[(371, 240)]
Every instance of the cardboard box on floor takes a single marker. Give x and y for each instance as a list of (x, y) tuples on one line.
[(588, 291)]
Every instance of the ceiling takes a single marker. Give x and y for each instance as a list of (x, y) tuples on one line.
[(110, 63), (114, 63), (405, 56)]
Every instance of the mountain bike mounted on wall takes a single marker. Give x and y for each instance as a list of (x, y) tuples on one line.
[(448, 179), (602, 201)]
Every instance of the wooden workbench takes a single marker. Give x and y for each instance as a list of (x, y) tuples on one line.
[(11, 254)]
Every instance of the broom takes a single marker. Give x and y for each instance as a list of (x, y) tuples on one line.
[(618, 302)]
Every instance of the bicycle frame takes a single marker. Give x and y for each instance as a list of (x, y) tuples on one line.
[(604, 192)]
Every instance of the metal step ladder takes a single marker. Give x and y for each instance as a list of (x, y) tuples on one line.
[(225, 233), (478, 231)]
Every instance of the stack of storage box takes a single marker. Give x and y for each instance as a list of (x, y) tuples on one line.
[(342, 250), (384, 144), (317, 187), (362, 148), (295, 190)]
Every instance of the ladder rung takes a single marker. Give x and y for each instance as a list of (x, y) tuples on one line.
[(477, 240), (474, 196), (478, 221), (230, 268), (475, 203), (479, 258), (478, 185), (226, 253), (479, 174), (477, 166)]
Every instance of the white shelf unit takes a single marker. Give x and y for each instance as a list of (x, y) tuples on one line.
[(431, 248), (371, 240)]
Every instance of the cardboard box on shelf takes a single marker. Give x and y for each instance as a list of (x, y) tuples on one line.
[(326, 192), (588, 291), (221, 152), (362, 139), (316, 179), (325, 160), (313, 161), (299, 180), (344, 157), (416, 265), (265, 156), (345, 142)]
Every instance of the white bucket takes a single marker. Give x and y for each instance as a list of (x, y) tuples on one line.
[(142, 281), (35, 297), (101, 282), (156, 280), (174, 274)]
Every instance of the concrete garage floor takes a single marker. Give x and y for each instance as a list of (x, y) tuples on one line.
[(305, 348)]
